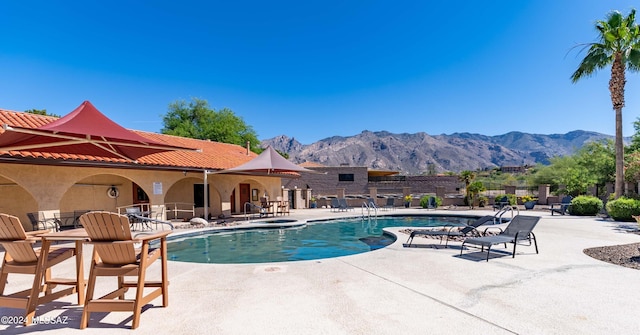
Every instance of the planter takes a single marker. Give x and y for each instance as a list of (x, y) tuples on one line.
[(407, 204), (313, 205), (529, 204)]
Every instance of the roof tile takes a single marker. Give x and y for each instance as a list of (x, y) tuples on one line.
[(213, 155)]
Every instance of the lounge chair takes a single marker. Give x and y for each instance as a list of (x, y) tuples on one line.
[(520, 228), (450, 230), (561, 208), (22, 258), (115, 255)]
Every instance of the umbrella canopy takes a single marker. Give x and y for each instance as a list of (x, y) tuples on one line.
[(270, 163), (84, 131)]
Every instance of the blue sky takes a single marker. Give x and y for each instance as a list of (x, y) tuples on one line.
[(315, 69)]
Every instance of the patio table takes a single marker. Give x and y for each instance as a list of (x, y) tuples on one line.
[(79, 236)]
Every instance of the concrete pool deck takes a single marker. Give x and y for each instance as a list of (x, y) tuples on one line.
[(394, 290)]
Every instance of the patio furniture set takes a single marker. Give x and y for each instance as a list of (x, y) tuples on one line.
[(116, 253), (519, 229)]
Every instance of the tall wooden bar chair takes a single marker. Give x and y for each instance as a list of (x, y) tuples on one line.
[(22, 257), (115, 254)]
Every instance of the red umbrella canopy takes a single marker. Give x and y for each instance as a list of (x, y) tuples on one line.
[(269, 162), (84, 131)]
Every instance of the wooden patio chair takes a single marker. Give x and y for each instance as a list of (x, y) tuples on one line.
[(21, 257), (283, 206), (115, 255), (266, 207)]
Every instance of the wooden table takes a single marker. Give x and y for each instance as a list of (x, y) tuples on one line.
[(79, 236)]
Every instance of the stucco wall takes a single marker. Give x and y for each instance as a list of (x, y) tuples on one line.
[(36, 188)]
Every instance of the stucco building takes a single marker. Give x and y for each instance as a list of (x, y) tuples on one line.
[(168, 184), (361, 182)]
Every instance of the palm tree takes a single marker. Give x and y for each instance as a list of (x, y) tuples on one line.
[(619, 46), (467, 177)]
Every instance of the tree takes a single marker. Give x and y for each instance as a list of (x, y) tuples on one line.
[(474, 189), (40, 112), (197, 120), (619, 46), (635, 138), (593, 164), (467, 177), (599, 159)]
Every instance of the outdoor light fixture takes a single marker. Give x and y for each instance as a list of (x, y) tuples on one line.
[(113, 192)]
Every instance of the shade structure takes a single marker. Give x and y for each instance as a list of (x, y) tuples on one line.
[(84, 131), (268, 163)]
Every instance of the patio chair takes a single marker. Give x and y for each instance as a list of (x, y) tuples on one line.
[(344, 206), (520, 228), (283, 206), (266, 207), (115, 255), (390, 204), (22, 258), (335, 204), (561, 208), (44, 223), (499, 203), (450, 230), (431, 203)]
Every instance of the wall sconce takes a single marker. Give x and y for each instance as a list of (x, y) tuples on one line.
[(184, 173), (113, 192)]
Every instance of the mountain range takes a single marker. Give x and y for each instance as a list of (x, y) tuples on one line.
[(413, 154)]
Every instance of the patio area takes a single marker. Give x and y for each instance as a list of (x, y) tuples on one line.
[(422, 290)]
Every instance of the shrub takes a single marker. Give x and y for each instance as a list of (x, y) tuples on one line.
[(622, 209), (424, 201), (585, 205), (526, 198), (513, 200)]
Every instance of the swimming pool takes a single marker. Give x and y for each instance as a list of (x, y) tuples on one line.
[(315, 240)]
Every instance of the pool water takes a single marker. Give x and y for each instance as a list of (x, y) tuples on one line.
[(316, 240)]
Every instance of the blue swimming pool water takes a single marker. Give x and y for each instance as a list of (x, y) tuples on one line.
[(316, 240)]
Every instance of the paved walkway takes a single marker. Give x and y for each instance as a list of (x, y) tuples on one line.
[(395, 290)]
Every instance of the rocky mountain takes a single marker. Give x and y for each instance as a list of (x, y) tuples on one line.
[(418, 153)]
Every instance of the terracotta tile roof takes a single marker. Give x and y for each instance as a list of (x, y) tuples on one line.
[(214, 155)]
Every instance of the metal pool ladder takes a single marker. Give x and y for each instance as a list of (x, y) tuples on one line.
[(509, 208), (369, 207)]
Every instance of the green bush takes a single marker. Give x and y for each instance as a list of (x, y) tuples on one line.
[(424, 201), (623, 208), (513, 200), (585, 205)]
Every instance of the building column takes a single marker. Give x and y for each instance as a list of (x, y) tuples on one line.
[(508, 189), (297, 198), (543, 193), (373, 193), (440, 192), (307, 197)]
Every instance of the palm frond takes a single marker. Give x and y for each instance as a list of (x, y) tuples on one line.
[(633, 59), (596, 59)]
